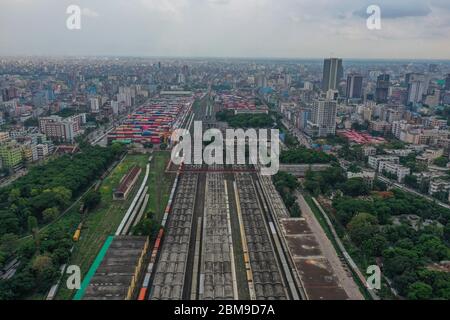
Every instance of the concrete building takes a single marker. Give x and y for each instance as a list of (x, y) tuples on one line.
[(366, 175), (374, 161), (42, 150), (369, 151), (438, 185), (354, 87), (323, 118), (447, 82), (11, 154), (382, 89), (126, 184), (55, 127), (400, 171), (429, 155), (95, 104), (333, 72), (380, 126), (416, 90), (4, 137)]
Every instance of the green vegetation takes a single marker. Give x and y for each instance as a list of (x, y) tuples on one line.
[(92, 200), (333, 140), (441, 162), (159, 185), (286, 185), (366, 226), (105, 218), (67, 112), (302, 155), (394, 144), (406, 252), (410, 162), (412, 182), (36, 199), (323, 181), (31, 122), (351, 153), (355, 187), (245, 120)]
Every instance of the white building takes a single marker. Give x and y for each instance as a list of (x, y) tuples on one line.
[(95, 104), (42, 150), (438, 185), (323, 117), (400, 171), (374, 161)]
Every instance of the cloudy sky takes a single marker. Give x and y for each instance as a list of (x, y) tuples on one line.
[(227, 28)]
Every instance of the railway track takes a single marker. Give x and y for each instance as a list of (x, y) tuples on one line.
[(168, 281), (217, 274), (266, 278)]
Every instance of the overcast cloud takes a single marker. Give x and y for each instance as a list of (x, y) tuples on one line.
[(227, 28)]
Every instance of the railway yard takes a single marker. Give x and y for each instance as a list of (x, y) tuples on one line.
[(225, 235)]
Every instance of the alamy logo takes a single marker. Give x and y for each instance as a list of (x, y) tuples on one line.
[(74, 280), (374, 20), (73, 22), (257, 146), (374, 280)]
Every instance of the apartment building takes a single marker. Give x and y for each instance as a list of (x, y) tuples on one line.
[(55, 127), (398, 170), (11, 154), (374, 161)]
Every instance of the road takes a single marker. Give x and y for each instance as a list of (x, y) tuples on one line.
[(302, 138), (13, 177)]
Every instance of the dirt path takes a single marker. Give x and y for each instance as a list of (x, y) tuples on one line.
[(328, 251)]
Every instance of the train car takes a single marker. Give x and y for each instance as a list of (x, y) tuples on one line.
[(76, 235), (142, 294)]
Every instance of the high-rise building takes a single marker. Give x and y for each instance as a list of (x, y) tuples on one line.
[(411, 77), (333, 72), (382, 90), (95, 104), (354, 86), (323, 117), (416, 90), (115, 107)]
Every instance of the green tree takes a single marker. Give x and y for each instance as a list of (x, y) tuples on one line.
[(50, 214), (355, 187), (8, 243), (420, 291), (362, 227), (92, 200), (411, 181), (33, 228), (441, 162)]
